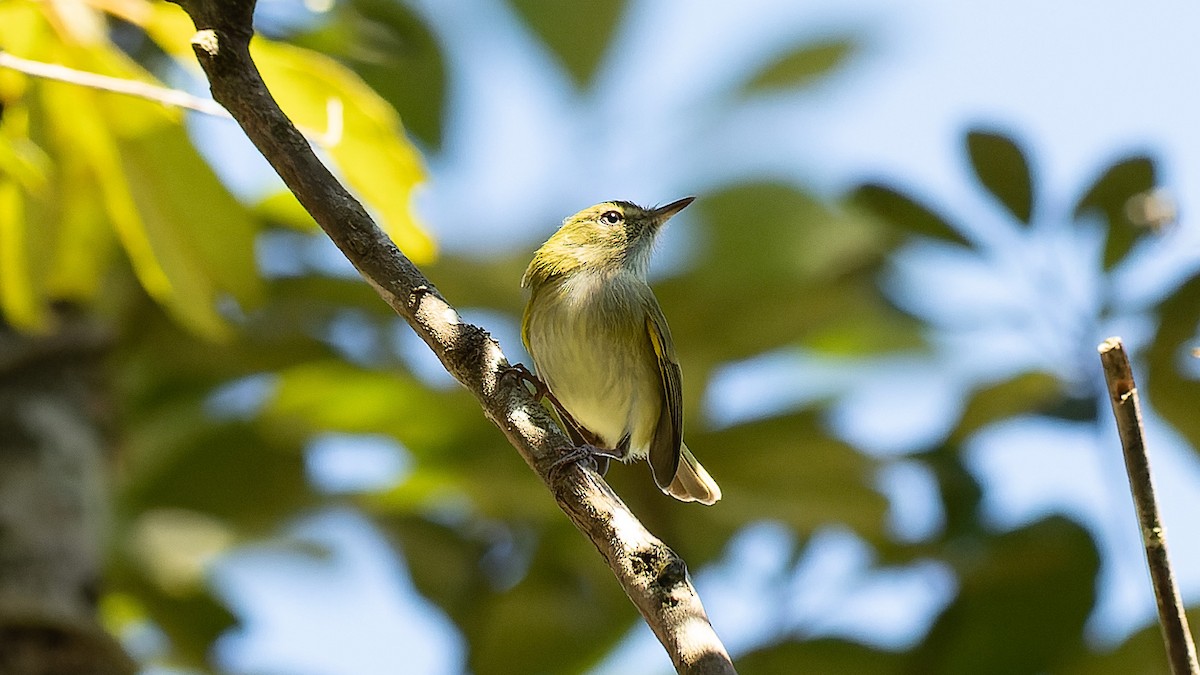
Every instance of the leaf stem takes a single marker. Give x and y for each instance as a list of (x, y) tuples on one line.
[(145, 90)]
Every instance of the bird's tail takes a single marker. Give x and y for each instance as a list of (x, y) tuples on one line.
[(692, 483)]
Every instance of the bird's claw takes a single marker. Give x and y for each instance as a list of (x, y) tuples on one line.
[(596, 458), (519, 371)]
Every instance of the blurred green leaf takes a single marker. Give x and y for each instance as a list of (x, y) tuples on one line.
[(825, 655), (960, 492), (21, 28), (459, 453), (1140, 654), (494, 281), (1110, 194), (227, 470), (774, 232), (1002, 168), (445, 564), (333, 395), (1172, 393), (1021, 605), (561, 617), (579, 34), (515, 592), (394, 52), (274, 336), (904, 213), (803, 65), (787, 468), (192, 623), (1025, 393), (776, 267)]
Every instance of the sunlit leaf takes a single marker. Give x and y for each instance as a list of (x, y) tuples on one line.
[(86, 244), (188, 241), (388, 45), (22, 28), (1033, 587), (201, 235), (69, 242), (803, 65), (579, 34), (21, 298), (1002, 168), (284, 210), (97, 157), (360, 132), (21, 160), (1110, 194), (904, 213), (1174, 394)]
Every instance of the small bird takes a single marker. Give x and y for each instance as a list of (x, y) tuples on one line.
[(601, 344)]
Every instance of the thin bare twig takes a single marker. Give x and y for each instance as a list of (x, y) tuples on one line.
[(1123, 394), (150, 92), (652, 575)]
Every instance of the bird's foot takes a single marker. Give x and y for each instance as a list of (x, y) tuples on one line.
[(597, 458), (519, 371), (542, 392)]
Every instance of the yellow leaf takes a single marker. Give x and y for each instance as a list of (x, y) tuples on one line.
[(127, 168), (358, 130), (171, 29), (19, 298), (84, 145), (346, 119)]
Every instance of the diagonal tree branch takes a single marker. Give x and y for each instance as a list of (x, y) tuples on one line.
[(652, 575), (1123, 394)]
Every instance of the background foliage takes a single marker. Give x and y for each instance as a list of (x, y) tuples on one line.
[(240, 347)]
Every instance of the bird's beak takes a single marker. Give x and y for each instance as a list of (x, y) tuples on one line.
[(662, 213)]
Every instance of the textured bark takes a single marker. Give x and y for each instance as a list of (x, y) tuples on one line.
[(53, 505)]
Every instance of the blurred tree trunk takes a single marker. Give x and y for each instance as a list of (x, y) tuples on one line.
[(54, 502)]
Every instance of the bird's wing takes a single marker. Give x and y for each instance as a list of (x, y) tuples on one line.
[(525, 317), (668, 434)]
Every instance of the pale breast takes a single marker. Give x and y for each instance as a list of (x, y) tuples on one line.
[(592, 350)]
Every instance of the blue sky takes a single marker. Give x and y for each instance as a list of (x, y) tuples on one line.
[(1080, 83)]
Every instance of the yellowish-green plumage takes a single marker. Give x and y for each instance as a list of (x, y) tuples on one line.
[(601, 344)]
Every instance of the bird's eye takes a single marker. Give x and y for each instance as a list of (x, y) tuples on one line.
[(610, 217)]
